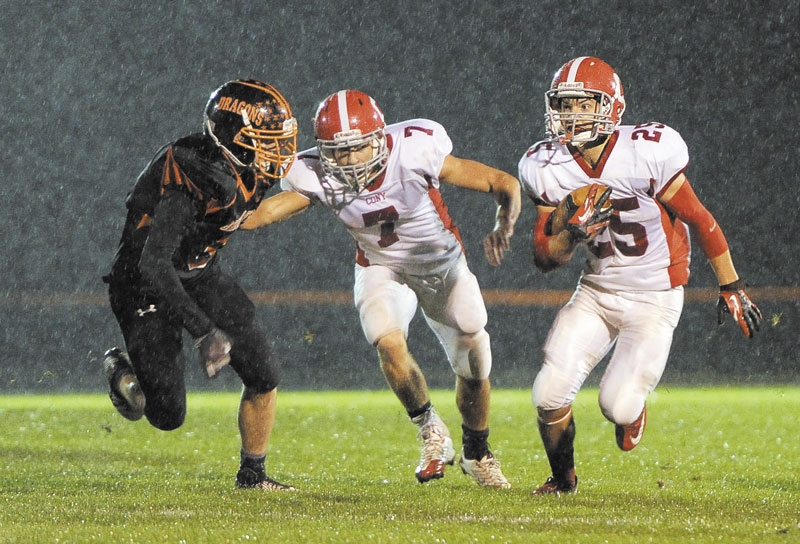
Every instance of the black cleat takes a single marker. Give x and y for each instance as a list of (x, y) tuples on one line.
[(247, 478), (123, 388), (556, 487)]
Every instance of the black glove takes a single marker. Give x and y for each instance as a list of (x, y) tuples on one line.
[(733, 300), (590, 217), (215, 351)]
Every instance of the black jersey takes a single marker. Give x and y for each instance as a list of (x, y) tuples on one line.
[(204, 198)]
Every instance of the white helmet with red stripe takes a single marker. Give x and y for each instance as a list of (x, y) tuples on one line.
[(348, 121), (584, 77)]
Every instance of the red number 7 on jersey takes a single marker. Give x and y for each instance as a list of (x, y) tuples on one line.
[(386, 217), (407, 132)]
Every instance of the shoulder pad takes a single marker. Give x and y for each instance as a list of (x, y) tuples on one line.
[(543, 145), (206, 172)]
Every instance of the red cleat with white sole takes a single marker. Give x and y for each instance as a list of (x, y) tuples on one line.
[(437, 453), (628, 436)]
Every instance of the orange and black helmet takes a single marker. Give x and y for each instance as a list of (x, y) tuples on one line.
[(253, 123)]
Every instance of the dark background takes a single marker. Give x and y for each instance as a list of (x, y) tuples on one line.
[(91, 90)]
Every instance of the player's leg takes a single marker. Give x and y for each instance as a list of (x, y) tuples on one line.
[(646, 328), (472, 400), (557, 431), (477, 459), (456, 313), (386, 306), (401, 371), (256, 419), (257, 408), (148, 378), (470, 358), (232, 311), (577, 341), (408, 382)]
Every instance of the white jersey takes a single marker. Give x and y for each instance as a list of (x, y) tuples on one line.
[(644, 248), (400, 221)]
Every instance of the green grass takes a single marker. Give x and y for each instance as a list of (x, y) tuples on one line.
[(718, 464)]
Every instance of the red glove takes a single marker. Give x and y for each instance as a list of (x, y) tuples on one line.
[(733, 300), (589, 217)]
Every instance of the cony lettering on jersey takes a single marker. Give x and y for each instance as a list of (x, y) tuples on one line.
[(644, 247), (401, 221)]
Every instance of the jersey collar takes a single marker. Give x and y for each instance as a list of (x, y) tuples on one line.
[(597, 171)]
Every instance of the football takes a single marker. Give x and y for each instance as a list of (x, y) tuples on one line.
[(574, 200)]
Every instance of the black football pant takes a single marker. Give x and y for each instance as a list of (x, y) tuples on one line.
[(153, 339)]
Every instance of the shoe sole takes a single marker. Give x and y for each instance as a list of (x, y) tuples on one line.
[(435, 469), (128, 400), (267, 486), (557, 492), (134, 401)]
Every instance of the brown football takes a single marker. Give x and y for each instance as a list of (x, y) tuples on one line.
[(565, 209)]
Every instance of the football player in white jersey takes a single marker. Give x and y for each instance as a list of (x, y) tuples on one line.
[(382, 182), (631, 290)]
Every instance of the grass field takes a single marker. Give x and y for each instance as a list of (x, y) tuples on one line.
[(715, 465)]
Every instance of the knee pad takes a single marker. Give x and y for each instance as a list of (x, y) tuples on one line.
[(380, 316), (166, 416), (470, 355), (251, 359), (540, 387), (621, 400), (264, 387), (550, 390), (624, 409)]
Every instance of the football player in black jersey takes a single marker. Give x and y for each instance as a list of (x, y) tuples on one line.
[(187, 202)]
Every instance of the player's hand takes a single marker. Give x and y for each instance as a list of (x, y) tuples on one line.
[(589, 219), (733, 300), (497, 243), (215, 351)]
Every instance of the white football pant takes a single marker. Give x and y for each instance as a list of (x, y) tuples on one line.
[(451, 302), (585, 329)]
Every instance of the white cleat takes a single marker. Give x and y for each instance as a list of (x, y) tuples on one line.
[(437, 452), (486, 471)]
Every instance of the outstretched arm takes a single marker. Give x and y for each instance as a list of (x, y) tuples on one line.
[(277, 208), (680, 199), (505, 188)]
